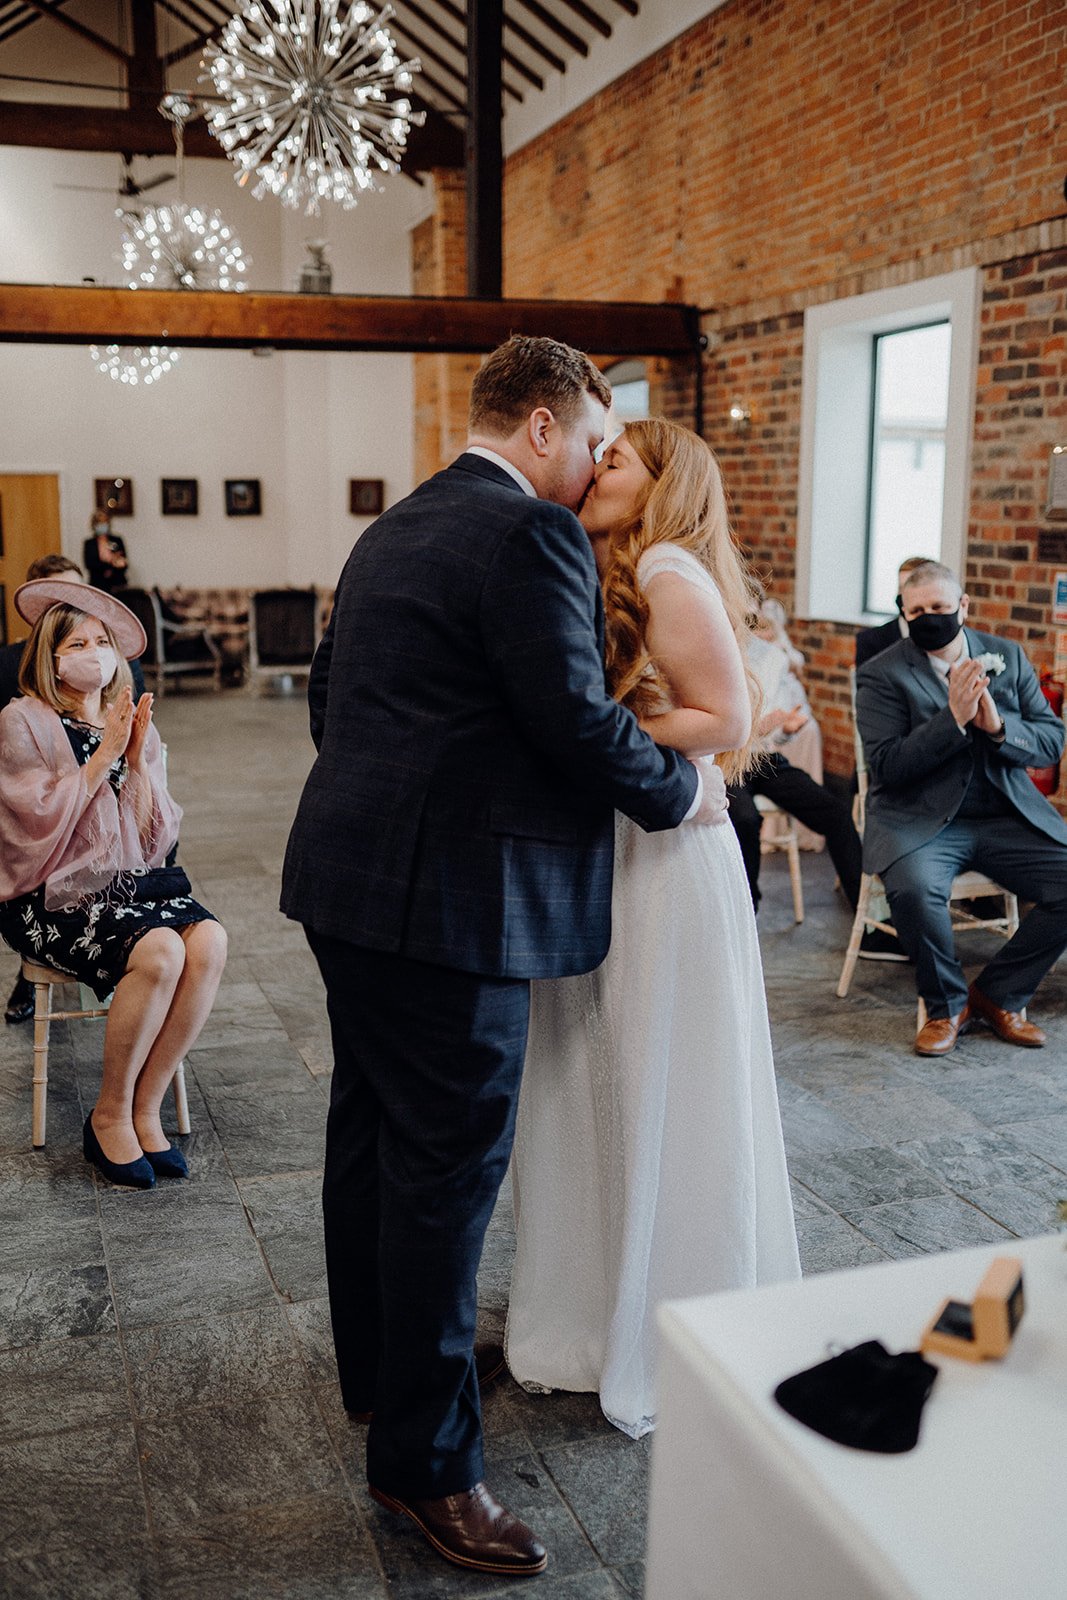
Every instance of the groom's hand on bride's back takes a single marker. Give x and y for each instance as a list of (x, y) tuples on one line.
[(713, 802)]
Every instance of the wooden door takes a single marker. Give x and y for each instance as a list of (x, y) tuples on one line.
[(29, 528)]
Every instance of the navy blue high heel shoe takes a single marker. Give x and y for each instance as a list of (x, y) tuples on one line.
[(168, 1163), (131, 1174)]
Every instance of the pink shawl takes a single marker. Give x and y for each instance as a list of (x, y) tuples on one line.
[(52, 831)]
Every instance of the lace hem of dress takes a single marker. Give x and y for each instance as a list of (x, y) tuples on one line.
[(633, 1430)]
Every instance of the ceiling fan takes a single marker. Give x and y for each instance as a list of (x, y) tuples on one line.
[(128, 187)]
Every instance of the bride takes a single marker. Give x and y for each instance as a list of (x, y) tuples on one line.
[(649, 1161)]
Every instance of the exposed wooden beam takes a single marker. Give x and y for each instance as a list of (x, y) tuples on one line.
[(589, 16), (41, 314), (141, 131), (533, 43), (432, 55), (193, 48), (426, 50), (452, 10), (192, 15), (438, 143), (145, 69), (458, 44), (554, 25), (48, 9), (25, 19), (485, 151)]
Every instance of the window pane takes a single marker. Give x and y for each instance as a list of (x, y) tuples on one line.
[(630, 400), (907, 455)]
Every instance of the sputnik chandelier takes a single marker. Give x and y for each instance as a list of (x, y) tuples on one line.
[(313, 98), (170, 247), (133, 364), (180, 246)]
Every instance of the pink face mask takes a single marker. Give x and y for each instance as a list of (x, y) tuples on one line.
[(86, 670)]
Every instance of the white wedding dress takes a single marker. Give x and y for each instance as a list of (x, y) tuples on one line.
[(649, 1161)]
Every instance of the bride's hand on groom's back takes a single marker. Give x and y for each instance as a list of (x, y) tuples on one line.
[(713, 802)]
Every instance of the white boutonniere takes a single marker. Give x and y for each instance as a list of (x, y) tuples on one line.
[(992, 663)]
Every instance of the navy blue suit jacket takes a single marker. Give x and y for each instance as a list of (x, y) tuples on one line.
[(921, 764), (470, 756), (870, 642)]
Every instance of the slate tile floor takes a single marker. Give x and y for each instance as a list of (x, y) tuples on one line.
[(169, 1421)]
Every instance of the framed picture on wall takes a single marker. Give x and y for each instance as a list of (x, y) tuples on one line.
[(243, 497), (366, 497), (180, 497), (114, 495)]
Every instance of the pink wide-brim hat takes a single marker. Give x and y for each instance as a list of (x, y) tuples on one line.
[(33, 599)]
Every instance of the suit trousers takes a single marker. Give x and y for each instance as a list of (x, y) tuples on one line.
[(1015, 855), (795, 791), (427, 1066)]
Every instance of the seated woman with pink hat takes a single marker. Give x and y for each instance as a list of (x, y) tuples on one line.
[(86, 824)]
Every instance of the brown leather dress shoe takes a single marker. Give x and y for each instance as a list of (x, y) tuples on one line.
[(938, 1035), (488, 1364), (474, 1530), (1007, 1025)]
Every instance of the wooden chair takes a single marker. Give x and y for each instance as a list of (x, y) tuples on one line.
[(785, 837), (175, 649), (872, 907), (284, 629), (44, 978)]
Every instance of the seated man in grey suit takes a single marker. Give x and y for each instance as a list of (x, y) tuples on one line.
[(950, 719)]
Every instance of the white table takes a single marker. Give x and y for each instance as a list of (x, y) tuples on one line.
[(748, 1504)]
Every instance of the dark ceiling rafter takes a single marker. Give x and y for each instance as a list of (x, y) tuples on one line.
[(591, 18), (448, 95), (433, 30), (510, 26), (460, 44), (572, 40), (446, 38), (52, 9)]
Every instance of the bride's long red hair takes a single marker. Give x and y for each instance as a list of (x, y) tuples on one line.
[(685, 505)]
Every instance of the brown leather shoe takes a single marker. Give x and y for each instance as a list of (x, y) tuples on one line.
[(1007, 1025), (488, 1364), (938, 1035), (474, 1530)]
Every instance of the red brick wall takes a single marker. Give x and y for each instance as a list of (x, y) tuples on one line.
[(779, 145), (783, 153), (442, 383), (1020, 412)]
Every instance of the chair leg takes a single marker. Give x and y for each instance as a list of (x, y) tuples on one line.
[(859, 922), (42, 1006), (793, 852), (181, 1099)]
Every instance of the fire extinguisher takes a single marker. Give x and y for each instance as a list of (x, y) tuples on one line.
[(1047, 779)]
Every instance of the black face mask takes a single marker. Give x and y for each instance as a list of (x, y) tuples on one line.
[(933, 630)]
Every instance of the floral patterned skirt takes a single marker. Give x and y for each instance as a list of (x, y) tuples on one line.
[(93, 943)]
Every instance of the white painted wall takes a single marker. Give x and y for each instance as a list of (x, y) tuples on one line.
[(302, 423)]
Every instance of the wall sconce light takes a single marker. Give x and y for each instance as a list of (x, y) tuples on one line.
[(740, 416)]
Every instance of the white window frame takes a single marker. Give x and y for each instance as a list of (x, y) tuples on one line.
[(835, 434)]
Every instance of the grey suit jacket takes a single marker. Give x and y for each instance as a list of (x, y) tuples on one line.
[(921, 764)]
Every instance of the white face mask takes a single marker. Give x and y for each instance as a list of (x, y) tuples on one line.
[(86, 670)]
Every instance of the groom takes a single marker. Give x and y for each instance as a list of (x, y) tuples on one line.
[(453, 841)]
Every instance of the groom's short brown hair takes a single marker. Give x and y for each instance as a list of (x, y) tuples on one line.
[(528, 372)]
